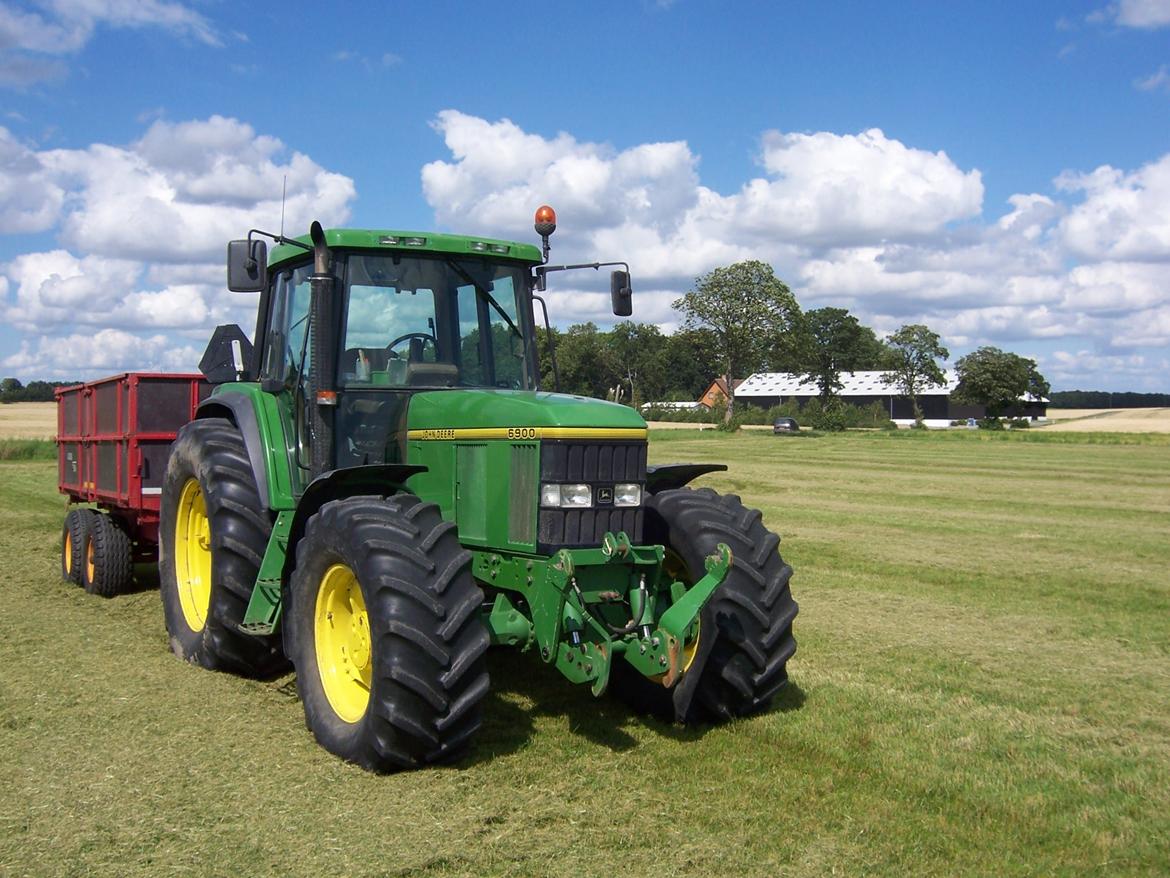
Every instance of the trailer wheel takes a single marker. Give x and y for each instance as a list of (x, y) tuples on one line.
[(744, 637), (107, 567), (213, 531), (385, 633), (74, 535)]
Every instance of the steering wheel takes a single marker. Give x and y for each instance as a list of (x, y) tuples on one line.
[(425, 336)]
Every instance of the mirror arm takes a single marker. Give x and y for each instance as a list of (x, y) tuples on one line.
[(279, 239), (542, 270)]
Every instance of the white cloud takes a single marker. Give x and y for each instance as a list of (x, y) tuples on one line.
[(67, 25), (33, 40), (30, 201), (185, 188), (1156, 81), (822, 190), (103, 352), (1122, 216), (144, 229), (1145, 14)]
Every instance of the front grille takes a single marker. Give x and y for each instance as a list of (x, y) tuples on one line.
[(600, 464)]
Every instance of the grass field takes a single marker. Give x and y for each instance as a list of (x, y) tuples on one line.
[(982, 686), (28, 420)]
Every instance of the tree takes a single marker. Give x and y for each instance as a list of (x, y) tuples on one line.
[(635, 351), (997, 379), (832, 341), (916, 352), (748, 309), (10, 390), (584, 361)]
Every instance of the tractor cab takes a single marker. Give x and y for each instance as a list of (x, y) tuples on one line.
[(397, 314)]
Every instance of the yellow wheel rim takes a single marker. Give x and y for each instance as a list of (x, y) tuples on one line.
[(193, 556), (67, 554), (89, 564), (341, 633), (676, 568)]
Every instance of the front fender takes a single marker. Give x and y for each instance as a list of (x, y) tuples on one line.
[(381, 479)]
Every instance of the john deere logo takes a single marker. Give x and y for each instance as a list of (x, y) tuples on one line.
[(604, 496)]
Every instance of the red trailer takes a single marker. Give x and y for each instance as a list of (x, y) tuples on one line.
[(113, 438)]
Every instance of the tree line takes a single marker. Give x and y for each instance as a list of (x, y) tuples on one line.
[(741, 319)]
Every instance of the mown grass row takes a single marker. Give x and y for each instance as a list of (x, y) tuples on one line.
[(982, 686)]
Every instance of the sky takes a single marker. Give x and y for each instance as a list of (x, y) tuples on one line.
[(999, 171)]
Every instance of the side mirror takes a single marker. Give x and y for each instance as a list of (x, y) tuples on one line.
[(247, 266), (620, 293)]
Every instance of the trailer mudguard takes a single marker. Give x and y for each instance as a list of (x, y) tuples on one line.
[(675, 475)]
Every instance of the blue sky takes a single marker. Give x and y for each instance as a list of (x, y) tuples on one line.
[(999, 171)]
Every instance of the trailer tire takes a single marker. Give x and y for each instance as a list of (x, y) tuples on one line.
[(743, 666), (108, 567), (385, 632), (214, 526), (74, 534)]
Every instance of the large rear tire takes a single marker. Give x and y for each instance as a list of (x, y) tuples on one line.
[(385, 633), (74, 534), (213, 531), (744, 638), (108, 566)]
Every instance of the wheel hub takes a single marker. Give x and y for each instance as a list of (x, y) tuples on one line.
[(344, 649)]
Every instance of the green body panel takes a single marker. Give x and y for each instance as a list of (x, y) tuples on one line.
[(375, 239), (489, 484), (516, 408), (273, 420)]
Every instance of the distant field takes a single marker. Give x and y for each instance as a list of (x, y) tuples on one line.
[(28, 420), (982, 686), (1148, 420)]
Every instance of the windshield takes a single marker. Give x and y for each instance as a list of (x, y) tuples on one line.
[(434, 321)]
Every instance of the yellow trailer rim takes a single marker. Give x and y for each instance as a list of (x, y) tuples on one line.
[(341, 633), (67, 554), (193, 555)]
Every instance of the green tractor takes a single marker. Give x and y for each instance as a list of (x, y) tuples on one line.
[(378, 489)]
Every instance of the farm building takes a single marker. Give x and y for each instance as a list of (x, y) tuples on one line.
[(717, 392), (765, 389)]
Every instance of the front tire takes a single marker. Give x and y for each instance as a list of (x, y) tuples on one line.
[(744, 637), (213, 531), (385, 633)]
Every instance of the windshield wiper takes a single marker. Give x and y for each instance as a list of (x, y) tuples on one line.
[(482, 291)]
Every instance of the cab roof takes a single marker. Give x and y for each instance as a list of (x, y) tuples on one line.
[(425, 242)]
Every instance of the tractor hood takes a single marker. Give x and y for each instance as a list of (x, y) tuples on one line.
[(517, 410)]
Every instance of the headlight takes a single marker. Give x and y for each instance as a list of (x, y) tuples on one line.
[(627, 495), (566, 496), (550, 495)]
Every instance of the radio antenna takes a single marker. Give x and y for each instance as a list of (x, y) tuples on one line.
[(283, 193)]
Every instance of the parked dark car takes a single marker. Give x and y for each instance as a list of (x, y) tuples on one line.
[(785, 425)]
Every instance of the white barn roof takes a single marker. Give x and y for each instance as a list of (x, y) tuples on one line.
[(869, 383), (771, 384)]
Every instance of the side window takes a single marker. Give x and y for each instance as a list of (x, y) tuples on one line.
[(287, 351)]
